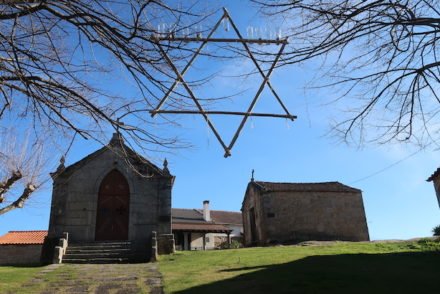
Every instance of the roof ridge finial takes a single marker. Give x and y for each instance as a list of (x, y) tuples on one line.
[(165, 167), (117, 139), (61, 167), (252, 177)]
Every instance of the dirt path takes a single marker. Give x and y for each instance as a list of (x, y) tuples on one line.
[(96, 278)]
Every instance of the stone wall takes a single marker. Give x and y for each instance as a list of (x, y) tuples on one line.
[(252, 201), (284, 217), (20, 254), (436, 182), (166, 244), (197, 241), (298, 216)]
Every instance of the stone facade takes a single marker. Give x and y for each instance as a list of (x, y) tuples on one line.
[(289, 212), (74, 207)]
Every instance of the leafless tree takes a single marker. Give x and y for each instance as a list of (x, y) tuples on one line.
[(382, 53), (22, 167), (54, 55)]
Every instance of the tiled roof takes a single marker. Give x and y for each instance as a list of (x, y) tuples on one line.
[(180, 215), (23, 237), (305, 187), (435, 174), (226, 217), (199, 227)]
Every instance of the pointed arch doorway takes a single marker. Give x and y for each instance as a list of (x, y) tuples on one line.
[(112, 216)]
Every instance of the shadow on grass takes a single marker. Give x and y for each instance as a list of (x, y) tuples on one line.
[(23, 265), (406, 272)]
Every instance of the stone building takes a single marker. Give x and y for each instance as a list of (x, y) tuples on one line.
[(435, 179), (113, 194), (293, 212)]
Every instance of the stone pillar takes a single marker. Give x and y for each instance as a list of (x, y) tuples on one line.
[(229, 240), (204, 241), (154, 251), (164, 195), (186, 246), (63, 244), (58, 255)]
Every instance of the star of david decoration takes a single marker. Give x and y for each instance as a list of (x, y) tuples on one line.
[(180, 79)]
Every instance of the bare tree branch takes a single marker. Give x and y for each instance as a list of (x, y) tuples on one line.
[(382, 57)]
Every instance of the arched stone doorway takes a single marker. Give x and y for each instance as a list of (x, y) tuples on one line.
[(113, 208)]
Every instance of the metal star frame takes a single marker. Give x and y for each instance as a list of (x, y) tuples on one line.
[(204, 113)]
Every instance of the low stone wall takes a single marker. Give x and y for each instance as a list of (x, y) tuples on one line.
[(165, 244), (20, 254), (162, 244)]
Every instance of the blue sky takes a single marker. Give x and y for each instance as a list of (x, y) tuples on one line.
[(399, 203)]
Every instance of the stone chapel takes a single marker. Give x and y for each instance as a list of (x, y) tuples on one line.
[(113, 194)]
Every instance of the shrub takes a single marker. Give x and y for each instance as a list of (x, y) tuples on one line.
[(436, 230), (234, 245)]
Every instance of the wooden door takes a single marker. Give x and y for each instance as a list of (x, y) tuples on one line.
[(113, 208), (253, 226)]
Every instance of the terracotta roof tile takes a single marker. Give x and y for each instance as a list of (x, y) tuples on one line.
[(23, 237)]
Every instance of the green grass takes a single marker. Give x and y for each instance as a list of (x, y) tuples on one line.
[(11, 278), (403, 267)]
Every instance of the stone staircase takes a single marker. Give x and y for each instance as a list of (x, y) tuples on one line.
[(99, 252)]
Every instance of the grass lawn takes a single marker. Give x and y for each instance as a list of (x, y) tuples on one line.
[(11, 278), (401, 267)]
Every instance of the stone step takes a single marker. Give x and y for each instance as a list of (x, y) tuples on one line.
[(98, 247), (98, 255), (101, 244), (97, 260), (97, 250)]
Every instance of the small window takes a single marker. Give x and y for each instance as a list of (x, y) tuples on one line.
[(271, 214), (207, 239)]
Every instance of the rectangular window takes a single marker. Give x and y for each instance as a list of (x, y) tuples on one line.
[(271, 214)]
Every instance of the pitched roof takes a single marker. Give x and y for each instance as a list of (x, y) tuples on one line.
[(304, 187), (200, 227), (23, 238), (115, 146), (226, 217), (435, 174), (180, 215)]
